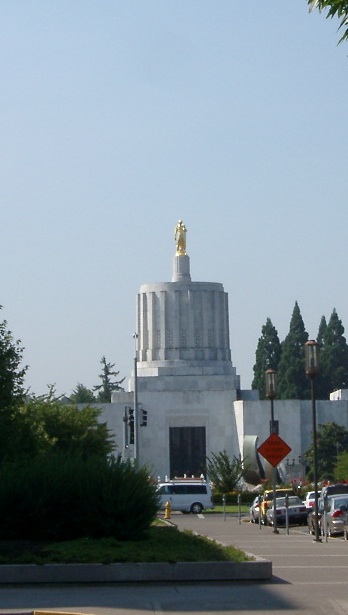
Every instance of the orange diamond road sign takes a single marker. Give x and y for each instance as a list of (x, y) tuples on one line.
[(274, 449)]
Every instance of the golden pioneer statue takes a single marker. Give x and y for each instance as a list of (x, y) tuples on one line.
[(180, 239)]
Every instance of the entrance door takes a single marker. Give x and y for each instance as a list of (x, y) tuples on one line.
[(187, 446)]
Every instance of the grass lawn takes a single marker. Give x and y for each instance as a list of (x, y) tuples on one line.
[(162, 544), (229, 508)]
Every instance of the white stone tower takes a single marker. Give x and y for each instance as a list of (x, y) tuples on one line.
[(185, 378), (183, 326)]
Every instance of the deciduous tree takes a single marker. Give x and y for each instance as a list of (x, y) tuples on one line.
[(12, 392), (225, 472), (46, 425), (340, 471), (331, 440)]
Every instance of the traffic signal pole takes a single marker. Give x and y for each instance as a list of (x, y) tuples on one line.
[(136, 409)]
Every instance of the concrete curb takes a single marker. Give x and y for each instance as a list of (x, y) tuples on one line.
[(258, 570)]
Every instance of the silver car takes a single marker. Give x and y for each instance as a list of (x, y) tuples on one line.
[(336, 508), (254, 511), (293, 507)]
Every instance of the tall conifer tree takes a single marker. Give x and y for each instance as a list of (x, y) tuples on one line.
[(321, 386), (321, 332), (292, 382), (334, 357), (267, 355)]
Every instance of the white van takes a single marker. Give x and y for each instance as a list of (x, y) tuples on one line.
[(187, 496)]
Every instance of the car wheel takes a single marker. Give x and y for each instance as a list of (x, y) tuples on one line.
[(196, 508)]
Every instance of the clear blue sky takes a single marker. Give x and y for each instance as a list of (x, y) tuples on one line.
[(117, 119)]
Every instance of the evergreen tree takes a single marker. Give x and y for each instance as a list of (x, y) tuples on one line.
[(107, 386), (320, 384), (82, 395), (292, 382), (333, 360), (321, 332), (267, 355)]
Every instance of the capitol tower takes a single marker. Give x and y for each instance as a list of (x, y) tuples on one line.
[(184, 377)]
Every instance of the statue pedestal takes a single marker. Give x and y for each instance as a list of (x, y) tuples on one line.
[(181, 269)]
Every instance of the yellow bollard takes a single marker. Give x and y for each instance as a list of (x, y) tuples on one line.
[(167, 510)]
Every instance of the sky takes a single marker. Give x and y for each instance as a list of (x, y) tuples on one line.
[(120, 118)]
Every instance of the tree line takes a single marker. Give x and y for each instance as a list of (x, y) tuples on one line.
[(33, 425), (287, 358)]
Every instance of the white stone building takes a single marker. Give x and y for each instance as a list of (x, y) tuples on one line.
[(187, 391)]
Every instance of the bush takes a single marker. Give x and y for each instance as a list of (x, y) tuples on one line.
[(61, 497)]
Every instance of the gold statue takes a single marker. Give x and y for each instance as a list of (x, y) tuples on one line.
[(180, 239)]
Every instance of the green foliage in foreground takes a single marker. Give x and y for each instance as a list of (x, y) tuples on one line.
[(62, 497), (161, 544), (336, 8)]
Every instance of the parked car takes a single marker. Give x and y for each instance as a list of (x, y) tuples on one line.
[(254, 510), (336, 507), (296, 510), (309, 500), (267, 501)]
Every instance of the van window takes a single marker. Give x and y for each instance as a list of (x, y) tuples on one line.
[(189, 489)]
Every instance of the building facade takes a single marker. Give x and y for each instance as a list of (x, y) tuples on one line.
[(186, 390)]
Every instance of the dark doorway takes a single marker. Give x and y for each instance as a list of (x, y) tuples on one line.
[(187, 451)]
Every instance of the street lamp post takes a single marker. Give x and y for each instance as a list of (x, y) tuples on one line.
[(312, 370), (136, 412), (270, 381)]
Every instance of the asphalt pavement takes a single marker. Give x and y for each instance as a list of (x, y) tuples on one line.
[(308, 577)]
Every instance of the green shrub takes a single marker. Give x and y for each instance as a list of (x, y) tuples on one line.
[(60, 497)]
